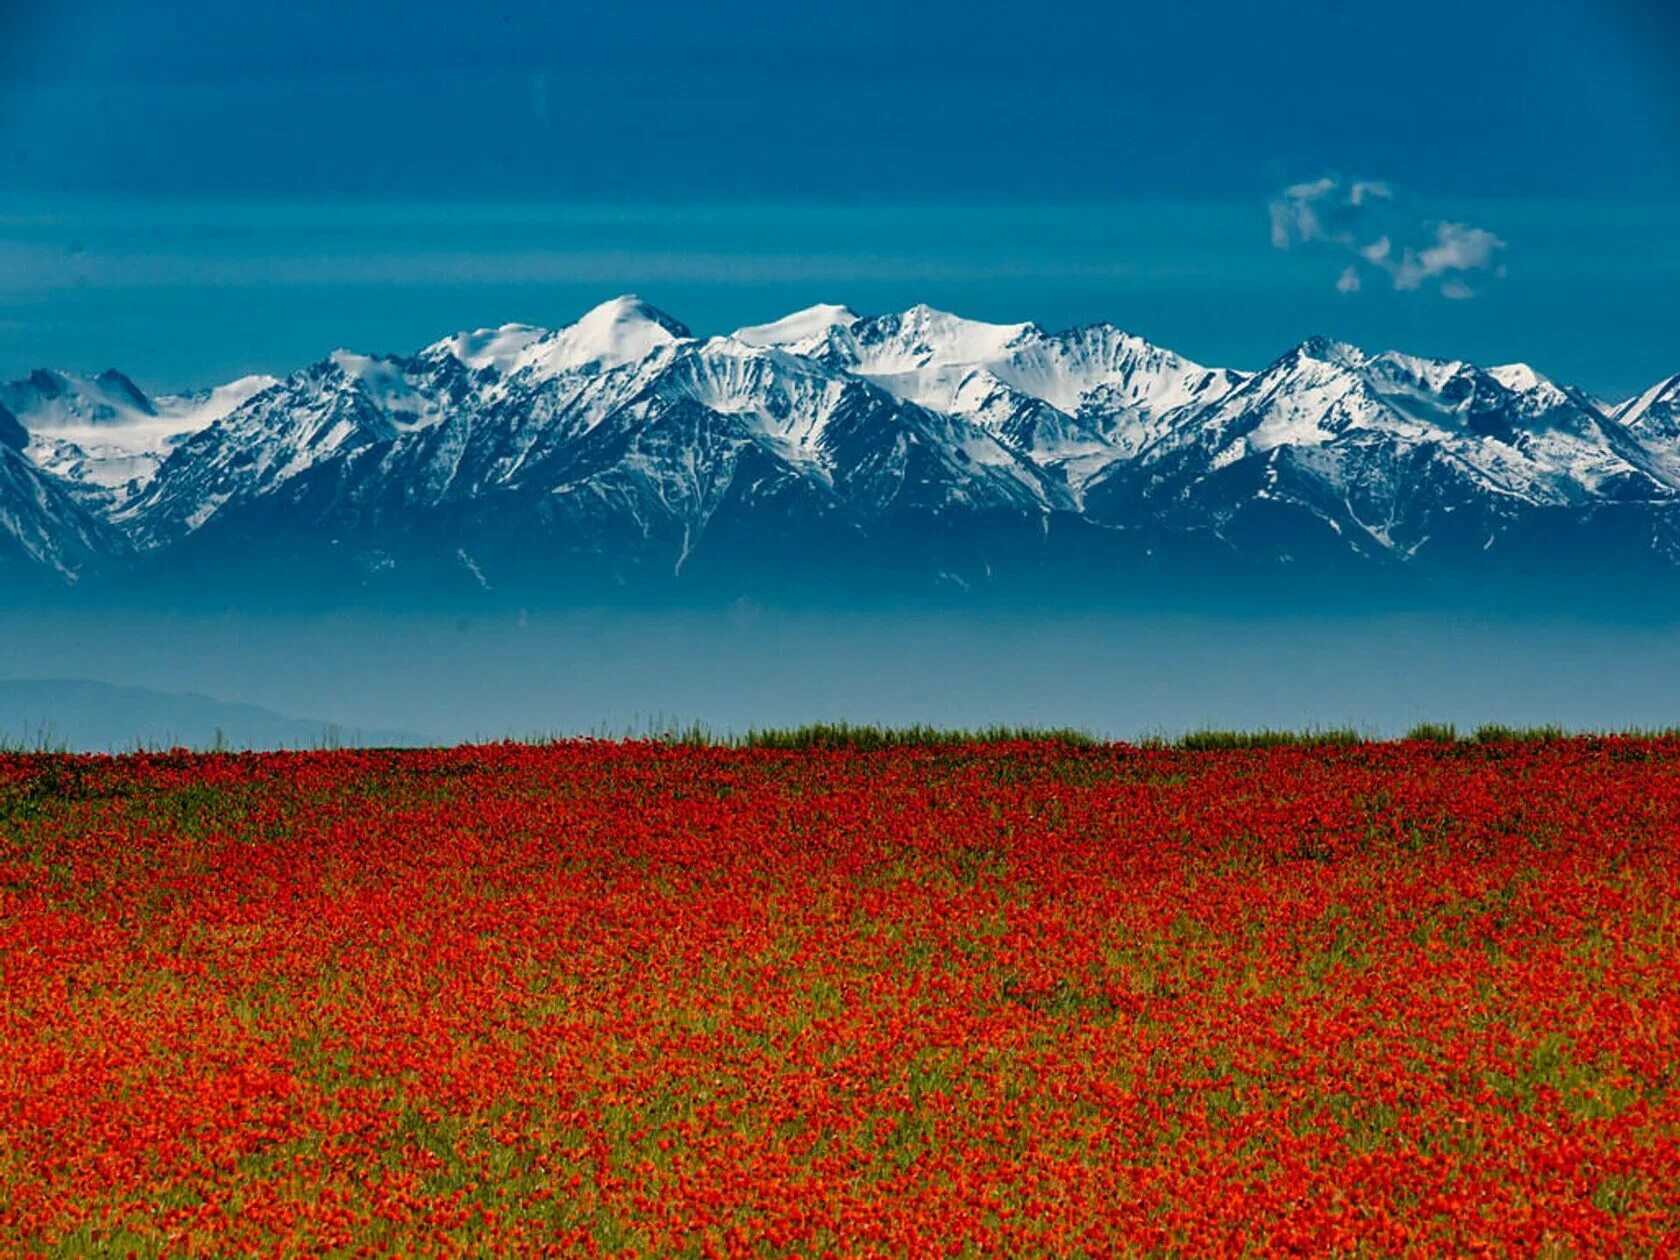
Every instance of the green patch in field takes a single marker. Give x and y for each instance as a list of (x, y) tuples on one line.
[(1553, 1076), (1223, 740)]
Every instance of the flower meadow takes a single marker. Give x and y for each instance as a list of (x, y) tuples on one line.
[(1020, 997)]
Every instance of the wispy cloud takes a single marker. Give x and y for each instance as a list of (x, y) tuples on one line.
[(1372, 227)]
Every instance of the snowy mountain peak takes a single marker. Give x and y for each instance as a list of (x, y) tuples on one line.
[(1655, 413), (379, 389), (626, 328), (354, 364), (1519, 378), (218, 402), (1537, 399), (801, 329), (500, 349), (925, 337), (51, 400), (623, 330), (1321, 349)]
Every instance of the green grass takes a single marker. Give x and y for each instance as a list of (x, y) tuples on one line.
[(849, 735), (45, 738), (42, 739), (1433, 733), (1211, 740), (1499, 733), (864, 738)]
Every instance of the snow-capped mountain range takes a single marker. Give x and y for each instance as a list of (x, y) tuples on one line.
[(917, 448)]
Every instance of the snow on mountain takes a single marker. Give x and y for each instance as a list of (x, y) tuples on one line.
[(800, 331), (1074, 400), (916, 354), (103, 435), (1655, 414), (345, 402), (1100, 368), (790, 401), (1513, 430), (1652, 420), (60, 399), (211, 405), (1392, 454), (1519, 378), (499, 350), (622, 413), (622, 331), (623, 439)]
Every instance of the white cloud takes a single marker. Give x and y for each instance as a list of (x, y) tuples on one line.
[(1377, 251), (1461, 248), (1368, 220)]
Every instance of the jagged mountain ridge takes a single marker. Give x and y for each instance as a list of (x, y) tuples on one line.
[(622, 449)]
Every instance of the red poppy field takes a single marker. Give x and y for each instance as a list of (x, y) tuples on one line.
[(1025, 998)]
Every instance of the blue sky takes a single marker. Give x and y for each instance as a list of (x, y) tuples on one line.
[(194, 190)]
